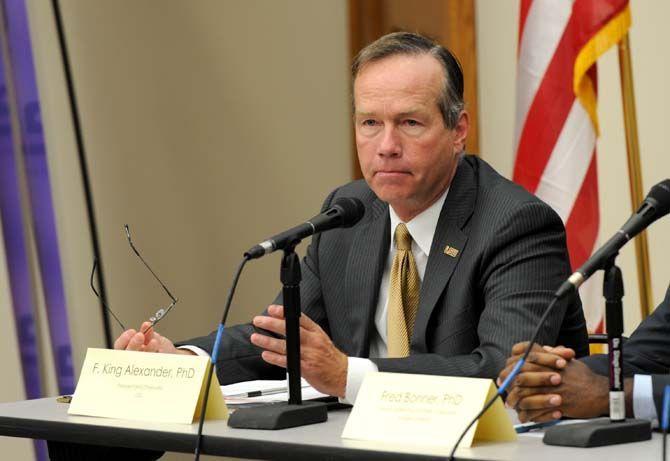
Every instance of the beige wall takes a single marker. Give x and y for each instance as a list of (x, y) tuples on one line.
[(208, 126), (496, 42)]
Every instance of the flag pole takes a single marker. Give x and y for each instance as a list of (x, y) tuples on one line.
[(634, 172)]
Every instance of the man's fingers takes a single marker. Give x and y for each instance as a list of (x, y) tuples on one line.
[(540, 402), (530, 367), (270, 344), (122, 341), (151, 346), (530, 398), (547, 360), (540, 357), (308, 324), (511, 361), (274, 358), (520, 348), (565, 352), (147, 329), (276, 311), (136, 343), (523, 393), (166, 346), (539, 416), (275, 325), (512, 399), (504, 374), (159, 344), (538, 379)]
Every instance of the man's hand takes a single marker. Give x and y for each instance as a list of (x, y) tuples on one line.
[(552, 385), (542, 363), (321, 363), (149, 341)]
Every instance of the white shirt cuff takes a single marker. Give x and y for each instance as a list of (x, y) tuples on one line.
[(195, 349), (356, 371), (643, 399)]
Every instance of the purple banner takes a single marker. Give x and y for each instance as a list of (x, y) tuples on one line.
[(15, 249), (39, 187), (17, 257)]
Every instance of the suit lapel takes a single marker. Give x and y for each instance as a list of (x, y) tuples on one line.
[(442, 261), (364, 271)]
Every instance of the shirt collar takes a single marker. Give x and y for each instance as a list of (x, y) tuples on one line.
[(422, 226)]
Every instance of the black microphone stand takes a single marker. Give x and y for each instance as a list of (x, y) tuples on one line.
[(294, 412), (615, 429)]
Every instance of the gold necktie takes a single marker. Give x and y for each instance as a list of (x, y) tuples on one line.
[(404, 291)]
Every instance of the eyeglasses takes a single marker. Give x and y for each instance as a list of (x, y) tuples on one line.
[(160, 313)]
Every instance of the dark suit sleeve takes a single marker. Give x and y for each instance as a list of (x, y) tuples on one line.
[(239, 360), (646, 352), (659, 382), (523, 263)]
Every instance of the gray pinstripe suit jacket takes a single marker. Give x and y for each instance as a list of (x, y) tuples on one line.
[(473, 307)]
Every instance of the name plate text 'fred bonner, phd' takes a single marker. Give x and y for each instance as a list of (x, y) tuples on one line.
[(408, 409)]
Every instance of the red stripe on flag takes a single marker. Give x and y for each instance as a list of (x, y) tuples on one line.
[(547, 113), (584, 221), (594, 15), (523, 14)]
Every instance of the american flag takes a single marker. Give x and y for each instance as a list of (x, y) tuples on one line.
[(556, 117)]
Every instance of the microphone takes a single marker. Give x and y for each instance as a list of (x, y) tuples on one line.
[(345, 212), (655, 206)]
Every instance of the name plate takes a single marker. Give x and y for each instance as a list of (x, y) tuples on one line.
[(413, 409), (141, 386)]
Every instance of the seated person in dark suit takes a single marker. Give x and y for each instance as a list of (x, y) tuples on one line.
[(553, 384), (450, 266)]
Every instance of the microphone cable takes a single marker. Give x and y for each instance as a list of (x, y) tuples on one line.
[(510, 377), (215, 355), (665, 419)]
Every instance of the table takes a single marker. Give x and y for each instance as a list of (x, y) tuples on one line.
[(47, 419)]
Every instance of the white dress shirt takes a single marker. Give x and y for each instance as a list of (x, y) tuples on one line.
[(422, 229), (643, 399)]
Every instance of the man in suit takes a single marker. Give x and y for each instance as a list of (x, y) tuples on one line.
[(450, 265), (552, 384)]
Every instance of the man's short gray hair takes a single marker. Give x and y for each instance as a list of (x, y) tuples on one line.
[(450, 102)]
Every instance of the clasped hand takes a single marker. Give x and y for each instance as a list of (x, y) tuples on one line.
[(552, 384)]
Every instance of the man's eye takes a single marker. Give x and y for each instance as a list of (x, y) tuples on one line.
[(369, 122), (411, 122)]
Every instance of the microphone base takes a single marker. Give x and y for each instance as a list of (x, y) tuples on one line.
[(598, 433), (279, 416)]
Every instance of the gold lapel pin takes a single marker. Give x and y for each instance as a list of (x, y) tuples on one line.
[(450, 251)]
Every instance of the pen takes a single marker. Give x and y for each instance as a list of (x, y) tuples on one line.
[(521, 428), (260, 393)]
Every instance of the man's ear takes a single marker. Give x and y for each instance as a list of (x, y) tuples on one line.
[(461, 131)]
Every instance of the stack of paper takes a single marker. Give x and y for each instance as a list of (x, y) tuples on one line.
[(265, 391)]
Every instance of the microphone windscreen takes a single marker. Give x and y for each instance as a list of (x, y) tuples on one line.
[(352, 210), (660, 193)]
